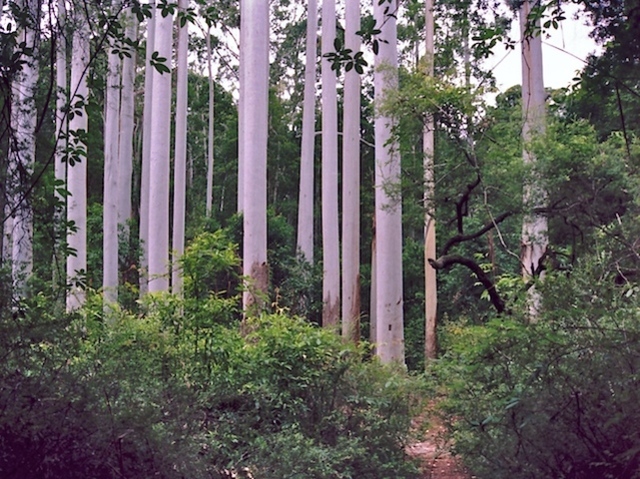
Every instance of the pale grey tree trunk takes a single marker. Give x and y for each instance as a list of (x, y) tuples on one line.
[(77, 172), (305, 197), (255, 28), (24, 151), (388, 210), (22, 154), (330, 234), (210, 158), (111, 193), (146, 154), (125, 147), (60, 170), (241, 104), (180, 155), (430, 285), (534, 225), (351, 183), (159, 160), (373, 300)]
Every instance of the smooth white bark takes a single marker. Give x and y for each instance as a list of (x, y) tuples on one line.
[(255, 25), (241, 103), (127, 124), (159, 160), (305, 197), (24, 151), (373, 300), (77, 172), (351, 183), (388, 210), (110, 193), (180, 155), (10, 185), (330, 235), (430, 285), (209, 202), (60, 166), (146, 154), (534, 226)]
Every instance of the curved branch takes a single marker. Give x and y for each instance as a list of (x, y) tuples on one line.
[(462, 205), (489, 226), (447, 261)]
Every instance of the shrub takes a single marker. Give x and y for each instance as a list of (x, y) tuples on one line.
[(178, 391), (554, 399)]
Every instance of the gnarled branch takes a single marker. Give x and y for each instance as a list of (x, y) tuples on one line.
[(447, 261)]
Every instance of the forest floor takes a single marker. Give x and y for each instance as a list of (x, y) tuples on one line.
[(433, 453)]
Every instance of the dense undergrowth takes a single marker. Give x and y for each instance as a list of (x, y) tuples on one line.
[(183, 388), (179, 391), (558, 398)]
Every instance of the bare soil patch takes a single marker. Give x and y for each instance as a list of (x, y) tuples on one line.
[(433, 453)]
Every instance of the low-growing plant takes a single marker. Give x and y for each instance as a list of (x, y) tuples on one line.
[(175, 391), (557, 398)]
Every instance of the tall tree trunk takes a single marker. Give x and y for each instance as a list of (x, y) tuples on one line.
[(388, 210), (373, 301), (351, 183), (110, 196), (209, 202), (305, 202), (60, 170), (125, 146), (330, 234), (159, 160), (180, 158), (77, 170), (255, 28), (534, 225), (146, 153), (430, 285), (24, 150), (244, 34)]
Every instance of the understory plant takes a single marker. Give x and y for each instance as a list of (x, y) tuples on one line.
[(184, 387), (557, 398)]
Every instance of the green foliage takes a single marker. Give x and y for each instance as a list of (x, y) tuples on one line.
[(554, 399), (180, 391), (210, 264), (292, 383)]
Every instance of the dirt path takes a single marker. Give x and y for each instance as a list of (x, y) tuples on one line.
[(432, 451)]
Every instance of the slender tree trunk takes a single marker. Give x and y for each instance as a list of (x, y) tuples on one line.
[(330, 234), (111, 193), (430, 285), (159, 164), (146, 153), (305, 202), (255, 25), (351, 183), (534, 226), (180, 158), (388, 210), (209, 203), (125, 147), (60, 170), (24, 151), (77, 172), (241, 103), (373, 301)]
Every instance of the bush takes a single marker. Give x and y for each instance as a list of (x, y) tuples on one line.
[(178, 391), (558, 398)]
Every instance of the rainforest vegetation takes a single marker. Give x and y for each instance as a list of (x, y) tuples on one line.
[(283, 239)]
